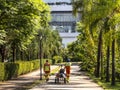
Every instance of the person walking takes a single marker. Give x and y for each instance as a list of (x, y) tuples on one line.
[(47, 70), (67, 68)]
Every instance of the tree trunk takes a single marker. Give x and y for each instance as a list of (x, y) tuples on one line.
[(108, 62), (113, 63), (99, 54), (14, 53), (21, 55), (28, 55), (2, 51), (102, 68)]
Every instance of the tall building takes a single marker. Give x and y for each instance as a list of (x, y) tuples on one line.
[(63, 20)]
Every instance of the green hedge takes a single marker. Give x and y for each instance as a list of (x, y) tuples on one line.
[(9, 70), (2, 71), (27, 66), (36, 64)]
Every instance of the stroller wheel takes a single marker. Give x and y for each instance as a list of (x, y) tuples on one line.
[(55, 80), (65, 80)]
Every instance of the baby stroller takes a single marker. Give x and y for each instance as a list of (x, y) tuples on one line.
[(60, 76)]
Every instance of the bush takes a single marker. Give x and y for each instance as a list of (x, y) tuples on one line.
[(9, 70), (75, 59), (57, 59), (2, 71), (36, 64), (27, 66)]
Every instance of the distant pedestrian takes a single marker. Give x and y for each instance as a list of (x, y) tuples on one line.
[(67, 68), (47, 70)]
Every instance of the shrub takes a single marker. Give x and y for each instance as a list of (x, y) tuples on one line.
[(36, 64), (27, 66), (9, 70), (57, 59), (2, 71)]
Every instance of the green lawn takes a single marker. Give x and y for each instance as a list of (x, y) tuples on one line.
[(108, 86), (105, 85)]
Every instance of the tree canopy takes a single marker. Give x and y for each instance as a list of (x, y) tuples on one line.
[(20, 23), (99, 31)]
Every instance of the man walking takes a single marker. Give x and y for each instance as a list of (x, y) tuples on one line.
[(47, 70)]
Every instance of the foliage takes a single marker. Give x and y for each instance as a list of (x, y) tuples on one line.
[(57, 59), (73, 53), (9, 70), (103, 84), (51, 43), (99, 31), (2, 71), (2, 35), (20, 23)]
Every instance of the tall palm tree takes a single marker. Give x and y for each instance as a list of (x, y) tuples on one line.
[(99, 11)]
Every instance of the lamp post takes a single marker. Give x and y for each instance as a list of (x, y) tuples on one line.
[(41, 57), (40, 48), (40, 54)]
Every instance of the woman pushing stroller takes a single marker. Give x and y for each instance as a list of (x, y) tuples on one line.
[(62, 72), (60, 75)]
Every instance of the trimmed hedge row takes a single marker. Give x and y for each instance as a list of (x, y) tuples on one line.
[(2, 74), (9, 70)]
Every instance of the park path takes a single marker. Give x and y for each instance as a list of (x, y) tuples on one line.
[(23, 81), (78, 81)]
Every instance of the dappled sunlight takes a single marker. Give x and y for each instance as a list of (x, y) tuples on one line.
[(78, 81)]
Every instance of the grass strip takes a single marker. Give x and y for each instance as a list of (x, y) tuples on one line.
[(103, 84)]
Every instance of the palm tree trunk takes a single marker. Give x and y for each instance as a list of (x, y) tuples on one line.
[(102, 68), (108, 62), (113, 63), (99, 54)]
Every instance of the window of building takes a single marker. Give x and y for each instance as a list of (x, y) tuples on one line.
[(63, 22)]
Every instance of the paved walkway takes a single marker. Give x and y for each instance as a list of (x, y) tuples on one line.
[(22, 82), (78, 81)]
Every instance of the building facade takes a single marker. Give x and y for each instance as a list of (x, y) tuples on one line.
[(63, 20)]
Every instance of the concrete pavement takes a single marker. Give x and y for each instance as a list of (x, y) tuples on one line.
[(78, 81), (23, 81)]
